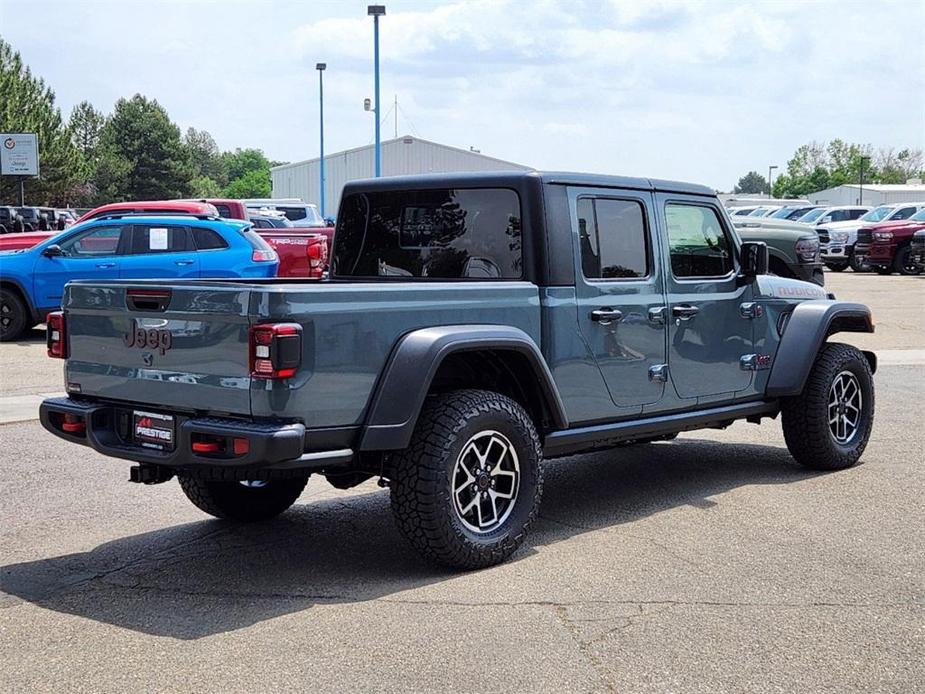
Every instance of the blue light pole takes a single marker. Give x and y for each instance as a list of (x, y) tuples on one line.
[(376, 11), (320, 67)]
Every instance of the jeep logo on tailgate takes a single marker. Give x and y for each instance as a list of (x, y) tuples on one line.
[(147, 338)]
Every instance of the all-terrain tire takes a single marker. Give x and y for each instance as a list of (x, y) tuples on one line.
[(14, 315), (857, 265), (242, 501), (806, 417), (429, 510)]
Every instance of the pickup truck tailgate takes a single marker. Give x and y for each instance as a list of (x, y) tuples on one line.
[(183, 347)]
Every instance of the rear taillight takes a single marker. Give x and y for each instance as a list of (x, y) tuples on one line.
[(276, 350), (56, 335), (316, 252), (264, 256)]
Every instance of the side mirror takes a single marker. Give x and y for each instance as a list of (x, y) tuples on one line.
[(754, 258), (53, 251)]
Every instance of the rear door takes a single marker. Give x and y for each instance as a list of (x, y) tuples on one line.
[(92, 254), (160, 251), (620, 293), (707, 331)]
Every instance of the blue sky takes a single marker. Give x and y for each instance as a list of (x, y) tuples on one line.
[(694, 91)]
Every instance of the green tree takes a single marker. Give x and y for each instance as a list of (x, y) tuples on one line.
[(86, 125), (205, 157), (205, 187), (750, 183), (253, 184), (243, 161), (141, 133), (28, 106)]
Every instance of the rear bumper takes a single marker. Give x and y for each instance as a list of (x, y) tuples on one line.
[(270, 445)]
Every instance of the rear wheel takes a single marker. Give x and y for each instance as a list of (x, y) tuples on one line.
[(902, 262), (14, 316), (883, 269), (244, 500), (828, 425), (467, 488)]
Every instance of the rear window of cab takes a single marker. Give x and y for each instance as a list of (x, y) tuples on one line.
[(443, 233)]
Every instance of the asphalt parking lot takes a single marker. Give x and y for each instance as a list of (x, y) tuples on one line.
[(709, 564)]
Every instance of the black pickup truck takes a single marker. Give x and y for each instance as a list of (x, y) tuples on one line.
[(472, 325)]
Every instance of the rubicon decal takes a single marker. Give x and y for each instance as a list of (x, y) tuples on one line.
[(147, 338)]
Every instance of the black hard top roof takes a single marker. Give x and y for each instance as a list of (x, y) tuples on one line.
[(517, 178)]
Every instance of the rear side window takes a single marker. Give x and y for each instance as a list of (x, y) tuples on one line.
[(206, 239), (612, 235), (157, 238), (438, 234), (697, 244), (223, 211)]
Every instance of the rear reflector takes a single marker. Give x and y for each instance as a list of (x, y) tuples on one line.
[(241, 446), (74, 424), (56, 335), (206, 447)]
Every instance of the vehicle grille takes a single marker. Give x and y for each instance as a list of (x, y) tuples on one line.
[(823, 236), (865, 236)]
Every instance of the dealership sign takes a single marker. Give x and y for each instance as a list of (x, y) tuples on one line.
[(19, 154)]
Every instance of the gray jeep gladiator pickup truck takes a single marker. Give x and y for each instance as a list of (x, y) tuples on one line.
[(472, 325)]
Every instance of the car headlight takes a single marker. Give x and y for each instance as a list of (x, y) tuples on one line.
[(883, 236), (807, 249), (839, 236)]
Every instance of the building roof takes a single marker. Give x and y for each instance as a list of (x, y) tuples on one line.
[(885, 187), (404, 139)]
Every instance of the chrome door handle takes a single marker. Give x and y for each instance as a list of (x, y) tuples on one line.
[(105, 265), (606, 315), (183, 262), (685, 311)]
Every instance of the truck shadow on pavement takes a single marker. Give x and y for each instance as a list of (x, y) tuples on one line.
[(199, 579)]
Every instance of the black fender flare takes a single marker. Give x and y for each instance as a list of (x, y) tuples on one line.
[(810, 323), (414, 361)]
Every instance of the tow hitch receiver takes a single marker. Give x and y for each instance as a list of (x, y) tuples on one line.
[(149, 474)]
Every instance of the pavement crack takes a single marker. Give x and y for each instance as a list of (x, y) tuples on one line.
[(584, 648)]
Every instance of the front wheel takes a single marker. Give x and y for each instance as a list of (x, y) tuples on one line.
[(857, 264), (14, 318), (903, 264), (244, 500), (837, 267), (827, 426), (467, 488)]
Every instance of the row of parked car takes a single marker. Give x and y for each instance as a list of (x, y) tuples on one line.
[(861, 237), (166, 239), (21, 219)]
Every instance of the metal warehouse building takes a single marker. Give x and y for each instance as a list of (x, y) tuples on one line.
[(874, 194), (403, 155)]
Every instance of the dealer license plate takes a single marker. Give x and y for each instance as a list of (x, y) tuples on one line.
[(154, 430)]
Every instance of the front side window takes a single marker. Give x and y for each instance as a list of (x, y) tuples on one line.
[(439, 234), (903, 213), (612, 236), (100, 241), (697, 244), (156, 238)]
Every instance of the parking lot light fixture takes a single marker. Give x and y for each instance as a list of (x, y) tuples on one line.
[(376, 11), (321, 67), (864, 158), (770, 187)]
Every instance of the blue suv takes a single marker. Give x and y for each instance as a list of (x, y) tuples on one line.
[(125, 247)]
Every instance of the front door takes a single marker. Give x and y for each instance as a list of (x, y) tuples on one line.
[(92, 254), (708, 333), (620, 293)]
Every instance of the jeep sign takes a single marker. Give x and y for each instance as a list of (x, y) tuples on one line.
[(19, 154)]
